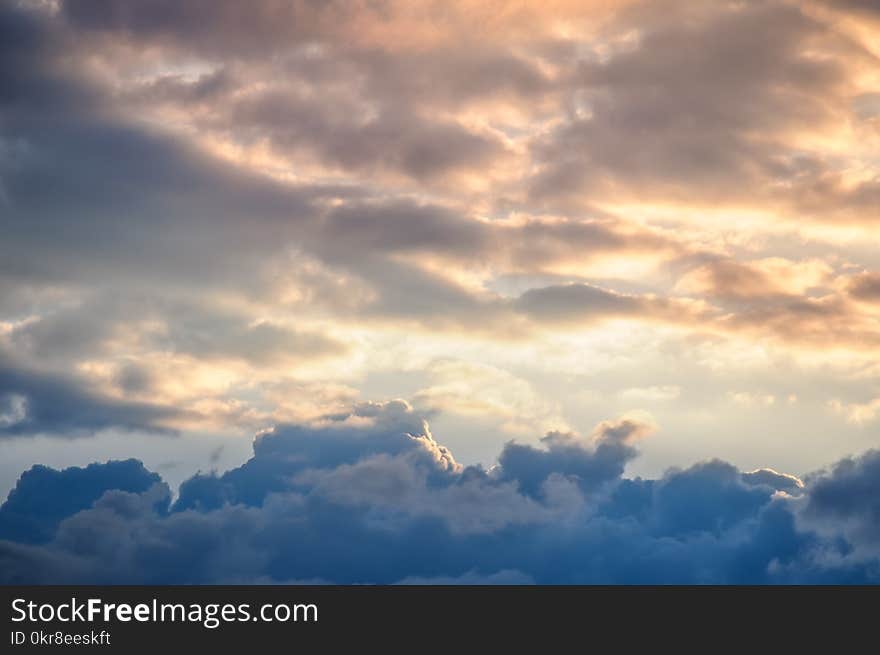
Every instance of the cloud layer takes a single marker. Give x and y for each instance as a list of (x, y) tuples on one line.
[(521, 218), (370, 497)]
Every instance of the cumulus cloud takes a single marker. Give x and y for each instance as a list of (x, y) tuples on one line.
[(44, 497), (390, 429), (567, 455), (370, 496), (784, 482), (848, 495)]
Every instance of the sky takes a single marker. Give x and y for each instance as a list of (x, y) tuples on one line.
[(594, 281)]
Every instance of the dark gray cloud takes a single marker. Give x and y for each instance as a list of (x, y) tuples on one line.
[(48, 403), (100, 201), (369, 496), (654, 115), (459, 77), (206, 334), (403, 227), (575, 302), (90, 200), (865, 7), (579, 303), (699, 107), (829, 319), (537, 245), (213, 27), (90, 194), (866, 286), (390, 138), (354, 107)]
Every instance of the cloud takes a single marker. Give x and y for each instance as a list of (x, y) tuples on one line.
[(44, 497), (864, 7), (45, 403), (582, 303), (656, 121), (474, 578), (569, 456), (152, 210), (343, 439), (202, 207), (221, 218), (847, 496), (326, 117), (369, 496), (652, 394), (394, 140), (780, 481), (768, 280), (866, 287), (211, 27), (857, 413)]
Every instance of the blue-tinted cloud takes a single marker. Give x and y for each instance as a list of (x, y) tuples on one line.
[(369, 496), (44, 497)]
